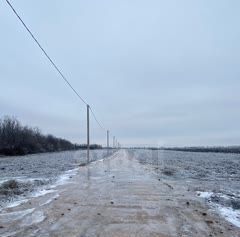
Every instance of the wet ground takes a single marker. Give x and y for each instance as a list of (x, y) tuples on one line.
[(132, 193), (24, 176)]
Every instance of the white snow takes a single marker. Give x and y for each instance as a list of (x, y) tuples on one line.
[(233, 216), (205, 195), (50, 200), (16, 203), (65, 178), (42, 192)]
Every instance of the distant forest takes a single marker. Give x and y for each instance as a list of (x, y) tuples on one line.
[(16, 139), (216, 149), (219, 149)]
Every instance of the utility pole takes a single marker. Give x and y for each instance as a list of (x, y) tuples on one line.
[(88, 139), (113, 141), (108, 139)]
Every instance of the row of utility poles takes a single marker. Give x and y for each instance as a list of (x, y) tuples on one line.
[(115, 144)]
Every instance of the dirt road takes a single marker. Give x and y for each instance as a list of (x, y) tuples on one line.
[(115, 197)]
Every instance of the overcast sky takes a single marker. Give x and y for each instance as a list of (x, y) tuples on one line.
[(155, 71)]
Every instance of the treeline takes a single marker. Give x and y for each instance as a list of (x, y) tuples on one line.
[(92, 146), (219, 149), (16, 139)]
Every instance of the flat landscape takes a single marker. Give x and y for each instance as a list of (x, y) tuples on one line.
[(126, 193), (120, 118)]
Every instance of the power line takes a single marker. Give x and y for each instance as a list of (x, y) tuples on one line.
[(52, 62), (45, 53), (100, 125)]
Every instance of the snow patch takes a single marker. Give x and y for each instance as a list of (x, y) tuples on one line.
[(42, 192), (63, 179), (233, 216), (205, 195), (16, 203)]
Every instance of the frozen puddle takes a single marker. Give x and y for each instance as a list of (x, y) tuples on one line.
[(34, 218), (13, 216), (230, 214)]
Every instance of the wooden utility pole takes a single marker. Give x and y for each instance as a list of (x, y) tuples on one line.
[(107, 139), (88, 138)]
